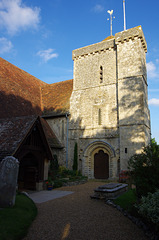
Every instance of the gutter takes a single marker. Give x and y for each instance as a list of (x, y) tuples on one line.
[(67, 125)]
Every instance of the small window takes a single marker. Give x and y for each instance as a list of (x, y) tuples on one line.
[(126, 150), (101, 74), (99, 117)]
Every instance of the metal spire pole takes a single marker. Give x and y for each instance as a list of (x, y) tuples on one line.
[(124, 15), (111, 25), (111, 19)]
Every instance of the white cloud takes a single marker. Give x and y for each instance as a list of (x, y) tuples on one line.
[(98, 8), (154, 101), (15, 16), (152, 70), (47, 54), (5, 45)]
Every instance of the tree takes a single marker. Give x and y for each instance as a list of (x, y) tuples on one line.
[(75, 160), (53, 168), (144, 168)]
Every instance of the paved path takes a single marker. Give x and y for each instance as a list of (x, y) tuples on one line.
[(77, 217), (44, 196)]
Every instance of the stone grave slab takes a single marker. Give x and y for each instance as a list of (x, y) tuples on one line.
[(110, 191)]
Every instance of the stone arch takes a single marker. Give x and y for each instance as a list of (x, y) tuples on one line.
[(89, 153)]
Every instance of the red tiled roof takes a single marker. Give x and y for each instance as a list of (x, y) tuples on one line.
[(108, 38), (13, 131), (19, 91), (56, 97), (21, 94)]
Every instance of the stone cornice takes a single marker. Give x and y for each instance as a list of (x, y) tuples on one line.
[(131, 34), (93, 49), (110, 44)]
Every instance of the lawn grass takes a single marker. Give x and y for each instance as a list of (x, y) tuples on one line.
[(15, 221), (127, 200)]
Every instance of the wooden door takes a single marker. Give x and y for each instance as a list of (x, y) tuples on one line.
[(101, 165), (30, 178)]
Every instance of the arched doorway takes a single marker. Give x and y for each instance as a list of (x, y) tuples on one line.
[(101, 165), (98, 160)]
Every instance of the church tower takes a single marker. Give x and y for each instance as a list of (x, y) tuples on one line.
[(134, 116), (108, 106)]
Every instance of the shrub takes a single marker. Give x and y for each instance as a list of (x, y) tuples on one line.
[(144, 169), (64, 172), (149, 207), (58, 183), (53, 168)]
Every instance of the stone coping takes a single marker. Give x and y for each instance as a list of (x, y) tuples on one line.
[(120, 37), (108, 189)]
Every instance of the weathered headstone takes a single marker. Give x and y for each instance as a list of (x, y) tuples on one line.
[(8, 181)]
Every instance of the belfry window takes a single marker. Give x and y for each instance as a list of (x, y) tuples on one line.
[(101, 74), (99, 116)]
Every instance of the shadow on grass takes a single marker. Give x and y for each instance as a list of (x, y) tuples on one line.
[(127, 201), (15, 221)]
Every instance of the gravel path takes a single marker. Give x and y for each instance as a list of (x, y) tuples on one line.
[(77, 217)]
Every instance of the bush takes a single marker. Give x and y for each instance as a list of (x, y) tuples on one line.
[(64, 172), (149, 207), (144, 169), (58, 183), (53, 168)]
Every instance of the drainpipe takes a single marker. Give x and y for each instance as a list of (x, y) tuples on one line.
[(117, 102), (67, 124)]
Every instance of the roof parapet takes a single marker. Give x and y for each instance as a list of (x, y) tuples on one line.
[(131, 34), (110, 43), (93, 49)]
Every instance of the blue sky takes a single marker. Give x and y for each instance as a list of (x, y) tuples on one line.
[(38, 36)]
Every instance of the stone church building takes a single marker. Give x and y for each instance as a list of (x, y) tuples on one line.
[(104, 109)]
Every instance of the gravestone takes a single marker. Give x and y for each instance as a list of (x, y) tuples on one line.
[(9, 168)]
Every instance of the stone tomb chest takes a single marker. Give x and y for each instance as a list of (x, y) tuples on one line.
[(110, 191)]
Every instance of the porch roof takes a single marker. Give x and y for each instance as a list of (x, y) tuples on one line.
[(13, 131)]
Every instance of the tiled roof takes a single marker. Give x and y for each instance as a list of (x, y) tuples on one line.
[(19, 91), (56, 97), (12, 133), (51, 137), (14, 130), (108, 38), (21, 94)]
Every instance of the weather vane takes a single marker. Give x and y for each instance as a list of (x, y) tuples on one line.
[(124, 15), (111, 19)]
